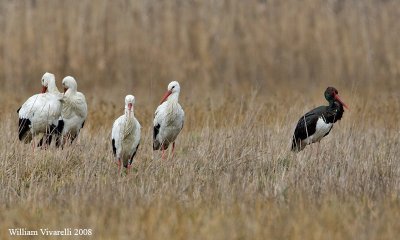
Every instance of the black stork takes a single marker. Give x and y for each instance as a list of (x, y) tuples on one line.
[(317, 123)]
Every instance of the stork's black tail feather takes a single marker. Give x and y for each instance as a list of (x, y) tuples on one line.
[(58, 130), (113, 147), (295, 145), (156, 143), (23, 128), (133, 155)]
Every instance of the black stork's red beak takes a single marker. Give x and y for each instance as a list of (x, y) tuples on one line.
[(166, 95), (44, 89), (340, 100)]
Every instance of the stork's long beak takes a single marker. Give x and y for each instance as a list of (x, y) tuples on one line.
[(166, 95), (130, 106), (340, 100), (44, 89)]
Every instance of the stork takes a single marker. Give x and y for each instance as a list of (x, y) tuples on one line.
[(168, 119), (317, 123), (74, 111), (125, 135), (40, 113)]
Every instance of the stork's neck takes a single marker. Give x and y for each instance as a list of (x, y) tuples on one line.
[(334, 104), (70, 92), (51, 87), (129, 113), (173, 98), (337, 108), (337, 105)]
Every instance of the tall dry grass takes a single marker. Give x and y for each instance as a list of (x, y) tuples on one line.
[(233, 179), (248, 70)]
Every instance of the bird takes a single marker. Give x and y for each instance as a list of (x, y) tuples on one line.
[(168, 119), (40, 113), (317, 123), (125, 135), (73, 113)]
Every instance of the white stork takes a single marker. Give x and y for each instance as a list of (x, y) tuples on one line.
[(40, 113), (125, 135), (168, 119), (74, 111)]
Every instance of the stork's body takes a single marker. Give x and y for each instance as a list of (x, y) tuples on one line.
[(317, 123), (168, 119), (74, 111), (40, 113), (125, 135)]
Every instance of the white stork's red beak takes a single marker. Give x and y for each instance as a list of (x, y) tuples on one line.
[(44, 89), (166, 95), (340, 100)]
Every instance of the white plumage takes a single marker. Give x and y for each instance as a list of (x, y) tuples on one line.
[(40, 113), (321, 129), (168, 119), (125, 135), (74, 110)]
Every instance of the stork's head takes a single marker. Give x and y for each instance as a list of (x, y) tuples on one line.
[(332, 94), (129, 102), (69, 83), (173, 88), (47, 79)]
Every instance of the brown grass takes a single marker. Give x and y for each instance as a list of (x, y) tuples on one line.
[(248, 71)]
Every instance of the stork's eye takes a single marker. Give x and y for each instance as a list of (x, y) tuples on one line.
[(172, 87)]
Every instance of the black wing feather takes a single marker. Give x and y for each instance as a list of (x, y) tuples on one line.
[(156, 144), (58, 130), (156, 131), (23, 127), (306, 126), (133, 155), (113, 147)]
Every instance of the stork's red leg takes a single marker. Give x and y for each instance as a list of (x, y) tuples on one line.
[(119, 165), (33, 145), (128, 169), (163, 151)]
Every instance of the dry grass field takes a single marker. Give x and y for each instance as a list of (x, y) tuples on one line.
[(248, 70)]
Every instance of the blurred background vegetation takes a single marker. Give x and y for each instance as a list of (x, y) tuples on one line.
[(217, 47)]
